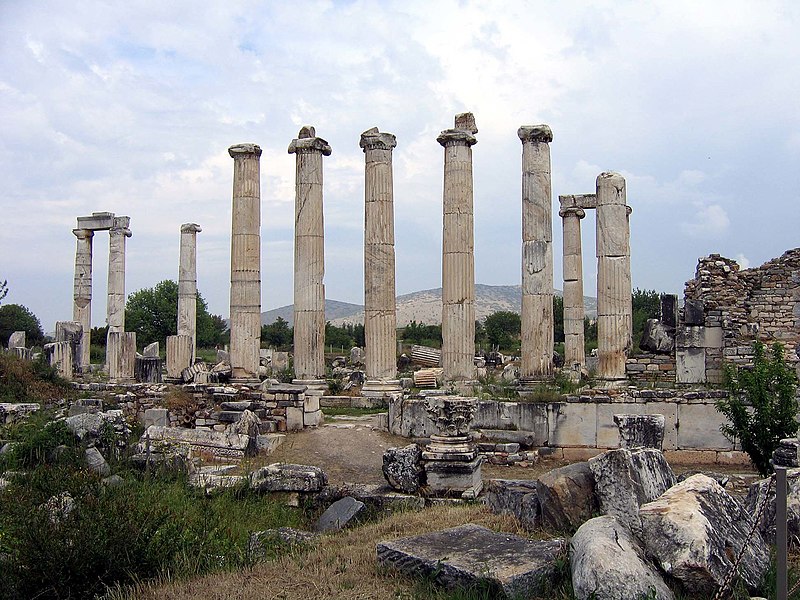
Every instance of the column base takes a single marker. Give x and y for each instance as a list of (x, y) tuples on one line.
[(315, 387), (381, 388)]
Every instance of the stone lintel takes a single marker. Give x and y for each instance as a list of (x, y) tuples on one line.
[(241, 150), (97, 221), (373, 139), (191, 228), (585, 201), (307, 141), (535, 133), (455, 136)]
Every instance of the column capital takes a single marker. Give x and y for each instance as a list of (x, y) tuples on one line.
[(121, 227), (463, 132), (535, 133), (244, 150), (307, 141), (190, 228), (83, 234), (372, 139), (572, 211)]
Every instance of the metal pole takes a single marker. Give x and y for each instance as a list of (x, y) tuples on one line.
[(781, 533)]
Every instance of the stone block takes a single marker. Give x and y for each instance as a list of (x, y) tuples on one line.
[(402, 468), (515, 497), (311, 403), (698, 428), (151, 350), (693, 312), (156, 416), (340, 514), (294, 418), (608, 432), (572, 424), (640, 431), (452, 477), (566, 496), (283, 477), (313, 419), (690, 365), (16, 340), (470, 554)]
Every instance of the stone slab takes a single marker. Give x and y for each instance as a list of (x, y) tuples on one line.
[(698, 427), (572, 424), (339, 515), (690, 365), (470, 554)]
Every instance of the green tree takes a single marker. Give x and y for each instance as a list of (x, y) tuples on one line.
[(277, 334), (503, 328), (424, 335), (646, 304), (15, 317), (338, 337), (558, 319), (153, 314), (761, 406)]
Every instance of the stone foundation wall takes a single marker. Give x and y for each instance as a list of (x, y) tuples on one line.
[(727, 308), (651, 369), (582, 426)]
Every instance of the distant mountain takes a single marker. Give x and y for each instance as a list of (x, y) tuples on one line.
[(426, 306), (334, 310)]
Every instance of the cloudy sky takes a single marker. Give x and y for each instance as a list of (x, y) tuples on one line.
[(129, 107)]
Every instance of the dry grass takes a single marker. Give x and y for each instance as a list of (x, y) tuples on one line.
[(342, 566)]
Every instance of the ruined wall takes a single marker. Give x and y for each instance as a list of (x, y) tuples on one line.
[(647, 369), (726, 309)]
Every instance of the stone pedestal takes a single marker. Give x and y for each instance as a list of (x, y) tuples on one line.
[(179, 355), (614, 310), (380, 320), (574, 311), (245, 306), (82, 292), (458, 265), (537, 254), (121, 355), (187, 283), (309, 258), (640, 431), (71, 332), (59, 356)]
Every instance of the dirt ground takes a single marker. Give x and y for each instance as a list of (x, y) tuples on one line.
[(350, 449)]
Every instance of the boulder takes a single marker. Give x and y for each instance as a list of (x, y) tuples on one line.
[(656, 338), (566, 496), (166, 440), (471, 555), (247, 425), (515, 497), (696, 530), (357, 356), (607, 563), (96, 462), (339, 515), (402, 468), (283, 477), (625, 479), (762, 494)]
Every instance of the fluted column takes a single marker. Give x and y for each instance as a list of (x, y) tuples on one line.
[(115, 312), (614, 311), (574, 312), (537, 254), (187, 283), (380, 319), (245, 309), (309, 257), (82, 293), (458, 262)]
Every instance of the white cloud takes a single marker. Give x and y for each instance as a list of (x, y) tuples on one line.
[(743, 261), (708, 221)]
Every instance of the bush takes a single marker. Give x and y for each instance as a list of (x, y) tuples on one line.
[(761, 406), (30, 381)]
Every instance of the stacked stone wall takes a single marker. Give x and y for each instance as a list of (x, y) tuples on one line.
[(651, 369), (762, 304)]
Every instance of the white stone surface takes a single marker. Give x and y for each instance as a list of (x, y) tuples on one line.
[(187, 283), (82, 293), (179, 354)]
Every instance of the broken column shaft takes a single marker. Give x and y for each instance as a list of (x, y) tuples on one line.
[(245, 306), (380, 321), (187, 283), (614, 311), (537, 254), (458, 263), (82, 294), (309, 258)]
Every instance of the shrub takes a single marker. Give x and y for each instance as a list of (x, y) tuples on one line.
[(761, 405), (30, 381)]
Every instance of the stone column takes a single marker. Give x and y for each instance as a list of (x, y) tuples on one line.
[(614, 311), (574, 312), (187, 283), (82, 291), (309, 259), (245, 309), (380, 320), (537, 254), (458, 263), (115, 311)]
